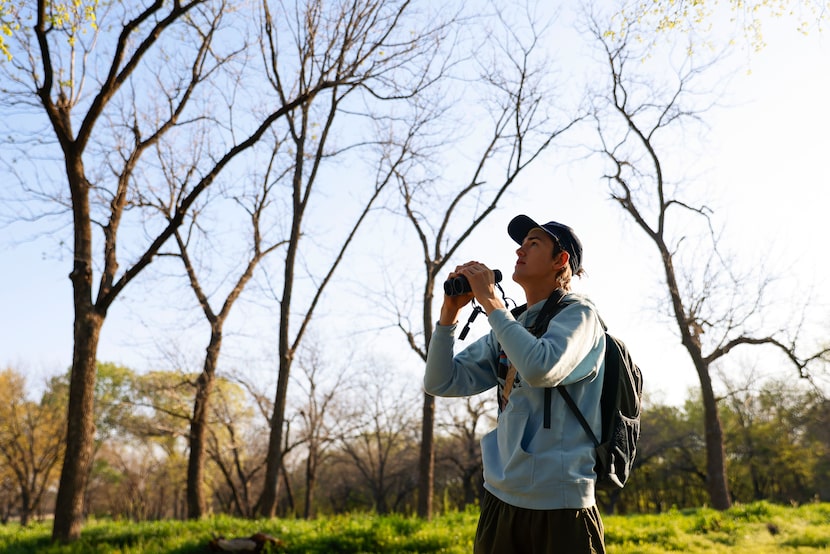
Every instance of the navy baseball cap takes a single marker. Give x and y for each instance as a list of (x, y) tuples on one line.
[(520, 226)]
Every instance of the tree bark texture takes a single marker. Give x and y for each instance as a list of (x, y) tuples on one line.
[(80, 429), (716, 480), (426, 464), (198, 430)]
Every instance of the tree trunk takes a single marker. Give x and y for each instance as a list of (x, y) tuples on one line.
[(470, 487), (80, 426), (80, 423), (198, 429), (717, 484), (426, 465), (310, 480), (289, 506), (25, 507), (267, 505), (716, 481)]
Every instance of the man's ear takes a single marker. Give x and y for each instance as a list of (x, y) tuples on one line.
[(561, 260)]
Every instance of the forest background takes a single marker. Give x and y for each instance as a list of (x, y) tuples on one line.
[(355, 391)]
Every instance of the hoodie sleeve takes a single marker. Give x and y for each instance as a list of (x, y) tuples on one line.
[(471, 371), (571, 349)]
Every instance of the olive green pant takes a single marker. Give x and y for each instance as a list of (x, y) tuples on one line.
[(506, 529)]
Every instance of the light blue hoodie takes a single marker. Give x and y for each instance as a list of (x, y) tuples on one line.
[(526, 465)]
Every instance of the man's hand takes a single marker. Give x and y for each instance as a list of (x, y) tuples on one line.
[(453, 304), (483, 283)]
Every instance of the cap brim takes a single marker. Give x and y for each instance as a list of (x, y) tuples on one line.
[(519, 227)]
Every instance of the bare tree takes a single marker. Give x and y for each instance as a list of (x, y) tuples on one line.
[(324, 416), (369, 50), (462, 448), (380, 443), (234, 444), (716, 308), (254, 204), (513, 128)]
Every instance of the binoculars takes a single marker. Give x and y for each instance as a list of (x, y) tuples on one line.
[(460, 285)]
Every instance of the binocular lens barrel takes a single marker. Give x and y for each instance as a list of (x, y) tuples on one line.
[(460, 285)]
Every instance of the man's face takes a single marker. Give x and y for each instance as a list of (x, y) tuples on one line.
[(536, 262)]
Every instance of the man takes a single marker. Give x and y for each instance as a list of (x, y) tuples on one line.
[(538, 468)]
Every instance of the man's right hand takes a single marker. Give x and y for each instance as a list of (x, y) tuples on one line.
[(454, 304)]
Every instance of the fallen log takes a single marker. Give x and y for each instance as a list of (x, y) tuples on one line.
[(255, 543)]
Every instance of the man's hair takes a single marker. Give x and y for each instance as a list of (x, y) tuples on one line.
[(563, 276)]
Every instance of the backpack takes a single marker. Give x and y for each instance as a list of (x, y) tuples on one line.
[(622, 391)]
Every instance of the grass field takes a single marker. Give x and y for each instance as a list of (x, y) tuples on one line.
[(758, 528)]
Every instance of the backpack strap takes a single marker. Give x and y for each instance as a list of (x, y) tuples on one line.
[(547, 412), (550, 308), (574, 408), (553, 306)]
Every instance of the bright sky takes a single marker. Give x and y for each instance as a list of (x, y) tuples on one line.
[(767, 162)]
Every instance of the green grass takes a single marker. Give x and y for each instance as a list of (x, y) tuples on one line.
[(744, 529)]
